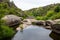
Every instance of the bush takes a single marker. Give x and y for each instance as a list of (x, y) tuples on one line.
[(39, 18), (57, 16), (5, 31), (57, 8), (49, 14)]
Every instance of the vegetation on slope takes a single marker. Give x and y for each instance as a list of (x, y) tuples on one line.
[(7, 8), (44, 13)]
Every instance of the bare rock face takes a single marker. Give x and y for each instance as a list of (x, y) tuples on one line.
[(40, 23), (49, 22), (12, 20), (57, 21), (56, 28), (54, 36)]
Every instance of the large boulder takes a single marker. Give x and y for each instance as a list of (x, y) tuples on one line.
[(56, 28), (27, 21), (57, 21), (54, 36), (49, 22), (11, 20)]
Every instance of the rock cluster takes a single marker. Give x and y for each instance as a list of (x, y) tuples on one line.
[(56, 28), (54, 25)]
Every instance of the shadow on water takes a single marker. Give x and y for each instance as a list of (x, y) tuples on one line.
[(54, 36), (36, 33)]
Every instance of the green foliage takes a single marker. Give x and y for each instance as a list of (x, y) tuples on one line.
[(57, 8), (41, 13), (48, 15), (45, 13), (57, 16), (7, 8), (39, 18), (5, 31)]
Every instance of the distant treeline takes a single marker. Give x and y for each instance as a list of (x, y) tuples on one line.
[(51, 11)]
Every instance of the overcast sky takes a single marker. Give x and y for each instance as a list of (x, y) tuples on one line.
[(28, 4)]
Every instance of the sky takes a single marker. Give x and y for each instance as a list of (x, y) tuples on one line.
[(29, 4)]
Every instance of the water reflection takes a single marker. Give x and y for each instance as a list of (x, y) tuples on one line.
[(33, 33), (55, 36)]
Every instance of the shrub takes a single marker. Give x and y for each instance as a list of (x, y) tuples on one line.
[(57, 8), (57, 16), (5, 31), (39, 18), (49, 14)]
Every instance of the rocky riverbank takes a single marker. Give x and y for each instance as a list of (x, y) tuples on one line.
[(13, 20), (48, 24)]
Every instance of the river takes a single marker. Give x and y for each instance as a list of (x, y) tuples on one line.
[(33, 32)]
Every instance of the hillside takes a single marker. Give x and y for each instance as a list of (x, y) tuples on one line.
[(7, 7), (51, 11)]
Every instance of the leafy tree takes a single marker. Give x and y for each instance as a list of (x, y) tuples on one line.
[(57, 9)]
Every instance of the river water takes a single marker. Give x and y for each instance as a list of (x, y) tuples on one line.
[(34, 33)]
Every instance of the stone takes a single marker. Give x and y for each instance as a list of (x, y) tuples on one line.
[(56, 28), (49, 22), (54, 36), (57, 21), (11, 20), (27, 21), (40, 23)]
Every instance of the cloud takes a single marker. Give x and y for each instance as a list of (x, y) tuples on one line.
[(28, 4)]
